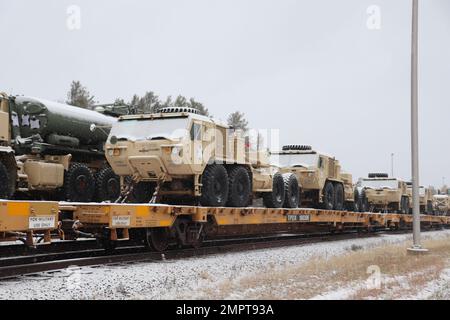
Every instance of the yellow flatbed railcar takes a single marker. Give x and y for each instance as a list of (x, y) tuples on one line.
[(23, 220), (158, 224)]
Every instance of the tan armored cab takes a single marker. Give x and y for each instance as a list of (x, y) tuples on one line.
[(384, 194), (321, 183), (425, 199), (186, 157)]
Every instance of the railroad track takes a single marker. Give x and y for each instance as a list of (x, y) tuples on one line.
[(15, 266), (11, 267)]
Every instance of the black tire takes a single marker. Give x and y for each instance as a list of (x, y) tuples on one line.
[(361, 204), (291, 191), (142, 192), (5, 183), (275, 199), (364, 201), (339, 197), (429, 207), (357, 200), (107, 184), (214, 186), (296, 147), (378, 175), (79, 183), (239, 187), (328, 196), (404, 205)]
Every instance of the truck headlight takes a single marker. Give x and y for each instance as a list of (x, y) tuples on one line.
[(176, 151)]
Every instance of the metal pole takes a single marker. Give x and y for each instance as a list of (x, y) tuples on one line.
[(392, 165), (414, 130)]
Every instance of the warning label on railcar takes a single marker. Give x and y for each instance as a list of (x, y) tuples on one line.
[(41, 222), (298, 217), (121, 221)]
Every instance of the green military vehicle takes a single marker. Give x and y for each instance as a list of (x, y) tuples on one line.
[(50, 150), (320, 181), (384, 194), (179, 156)]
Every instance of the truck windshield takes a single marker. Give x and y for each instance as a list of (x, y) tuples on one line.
[(134, 130), (306, 160), (421, 191), (380, 183)]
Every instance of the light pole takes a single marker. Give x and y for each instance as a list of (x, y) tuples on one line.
[(392, 165), (416, 247)]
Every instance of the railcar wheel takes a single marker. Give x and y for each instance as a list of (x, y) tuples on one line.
[(215, 186), (79, 183), (291, 190), (338, 197), (108, 185), (328, 196), (157, 239), (275, 199), (239, 187)]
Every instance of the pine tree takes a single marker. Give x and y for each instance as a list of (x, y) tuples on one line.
[(79, 96), (237, 121)]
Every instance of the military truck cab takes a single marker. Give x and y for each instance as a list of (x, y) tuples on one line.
[(425, 199), (385, 194), (319, 176), (179, 155)]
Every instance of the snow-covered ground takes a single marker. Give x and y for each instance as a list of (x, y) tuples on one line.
[(224, 276)]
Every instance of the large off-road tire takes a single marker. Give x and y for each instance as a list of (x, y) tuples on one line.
[(296, 147), (378, 175), (4, 182), (239, 187), (275, 199), (142, 192), (339, 197), (214, 186), (107, 184), (328, 196), (79, 183), (404, 205), (360, 199), (291, 191), (429, 207)]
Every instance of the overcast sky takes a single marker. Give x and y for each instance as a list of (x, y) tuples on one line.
[(313, 69)]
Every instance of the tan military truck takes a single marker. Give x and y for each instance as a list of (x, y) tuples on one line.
[(441, 204), (321, 183), (425, 199), (179, 156), (384, 194)]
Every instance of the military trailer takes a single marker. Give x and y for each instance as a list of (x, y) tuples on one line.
[(425, 199), (53, 151), (178, 156), (320, 182), (384, 194)]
